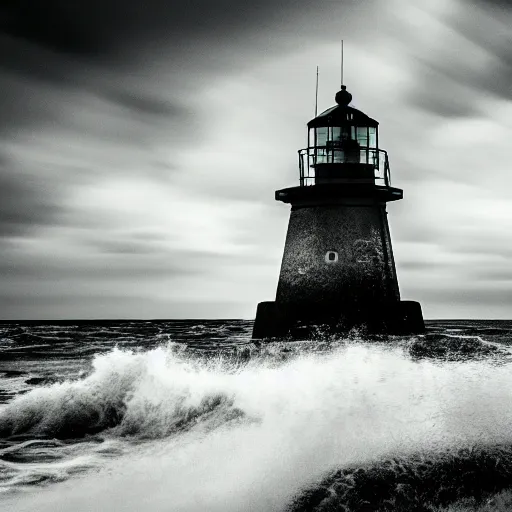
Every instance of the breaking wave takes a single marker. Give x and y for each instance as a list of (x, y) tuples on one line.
[(345, 426), (148, 394)]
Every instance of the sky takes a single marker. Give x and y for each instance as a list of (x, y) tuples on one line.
[(141, 145)]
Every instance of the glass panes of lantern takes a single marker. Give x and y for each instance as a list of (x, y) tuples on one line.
[(321, 136), (373, 137), (362, 136), (335, 134), (320, 153)]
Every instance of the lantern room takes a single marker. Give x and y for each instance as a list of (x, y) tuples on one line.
[(343, 147)]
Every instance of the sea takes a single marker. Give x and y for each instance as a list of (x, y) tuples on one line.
[(193, 416)]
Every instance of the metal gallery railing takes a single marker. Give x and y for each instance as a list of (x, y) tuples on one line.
[(312, 157)]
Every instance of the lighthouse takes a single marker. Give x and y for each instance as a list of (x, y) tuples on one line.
[(338, 270)]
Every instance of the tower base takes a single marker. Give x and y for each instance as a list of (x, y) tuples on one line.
[(275, 320)]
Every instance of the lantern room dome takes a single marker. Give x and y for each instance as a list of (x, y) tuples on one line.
[(343, 147), (342, 114)]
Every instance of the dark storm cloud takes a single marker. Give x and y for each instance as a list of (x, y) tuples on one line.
[(20, 56), (23, 205), (58, 41), (129, 245), (506, 5), (452, 82), (445, 101), (114, 262), (56, 25), (440, 107), (124, 246), (24, 103), (94, 27), (144, 103), (466, 60), (57, 54)]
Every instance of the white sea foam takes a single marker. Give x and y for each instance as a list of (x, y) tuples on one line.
[(248, 438)]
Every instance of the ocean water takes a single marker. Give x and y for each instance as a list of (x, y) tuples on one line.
[(192, 416)]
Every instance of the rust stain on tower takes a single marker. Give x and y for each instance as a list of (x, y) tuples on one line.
[(338, 270)]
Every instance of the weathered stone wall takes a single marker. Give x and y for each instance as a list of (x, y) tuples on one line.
[(338, 255)]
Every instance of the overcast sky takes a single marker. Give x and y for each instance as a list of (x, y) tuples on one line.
[(141, 145)]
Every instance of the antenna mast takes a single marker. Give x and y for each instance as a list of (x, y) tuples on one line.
[(342, 62), (316, 93)]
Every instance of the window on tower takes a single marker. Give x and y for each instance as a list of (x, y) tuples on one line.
[(331, 257)]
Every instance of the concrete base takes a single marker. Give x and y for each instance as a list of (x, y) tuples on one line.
[(275, 320)]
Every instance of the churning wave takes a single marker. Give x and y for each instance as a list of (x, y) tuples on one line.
[(332, 425), (147, 394), (421, 482)]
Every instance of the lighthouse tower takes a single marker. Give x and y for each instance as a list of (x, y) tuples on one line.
[(338, 270)]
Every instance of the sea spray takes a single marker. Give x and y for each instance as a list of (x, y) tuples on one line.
[(269, 430), (150, 393)]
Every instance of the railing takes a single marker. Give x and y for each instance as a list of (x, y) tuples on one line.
[(312, 158)]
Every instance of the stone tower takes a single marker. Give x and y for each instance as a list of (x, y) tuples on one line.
[(338, 270)]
